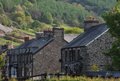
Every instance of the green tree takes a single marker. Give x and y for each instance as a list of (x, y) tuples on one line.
[(2, 63), (112, 18), (28, 4), (5, 20), (47, 18), (39, 26)]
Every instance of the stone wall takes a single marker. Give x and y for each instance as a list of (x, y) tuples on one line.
[(96, 51), (47, 60)]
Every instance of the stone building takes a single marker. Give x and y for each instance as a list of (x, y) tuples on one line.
[(37, 56), (87, 49)]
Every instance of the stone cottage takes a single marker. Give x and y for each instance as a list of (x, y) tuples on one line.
[(37, 56), (87, 49)]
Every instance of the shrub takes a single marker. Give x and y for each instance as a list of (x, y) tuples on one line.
[(95, 67), (5, 20), (73, 30), (39, 26), (12, 79), (83, 78)]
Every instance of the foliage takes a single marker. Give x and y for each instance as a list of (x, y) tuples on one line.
[(27, 31), (98, 6), (24, 13), (12, 79), (82, 78), (5, 20), (72, 30), (114, 53), (2, 63), (39, 26), (95, 67), (29, 80), (47, 18), (4, 41), (46, 11), (113, 20)]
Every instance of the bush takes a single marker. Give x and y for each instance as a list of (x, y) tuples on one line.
[(12, 79), (39, 26), (83, 78), (47, 18), (95, 67), (5, 20), (73, 30)]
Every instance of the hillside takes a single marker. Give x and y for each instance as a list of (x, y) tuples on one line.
[(31, 13), (36, 15), (97, 6)]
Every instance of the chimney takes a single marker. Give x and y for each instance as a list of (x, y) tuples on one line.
[(26, 39), (89, 22), (39, 35), (58, 32), (48, 33)]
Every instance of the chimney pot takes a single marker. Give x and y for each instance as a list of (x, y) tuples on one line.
[(39, 35), (26, 39), (88, 23), (48, 33)]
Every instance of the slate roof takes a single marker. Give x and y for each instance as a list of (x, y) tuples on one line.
[(37, 44), (89, 36), (31, 46)]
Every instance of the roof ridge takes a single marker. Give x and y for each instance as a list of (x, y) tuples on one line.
[(88, 36)]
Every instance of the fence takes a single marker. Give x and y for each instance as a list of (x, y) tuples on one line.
[(47, 76), (104, 74)]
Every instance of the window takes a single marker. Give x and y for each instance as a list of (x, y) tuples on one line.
[(31, 58), (70, 55), (28, 58), (10, 57), (73, 55), (13, 72), (25, 58), (78, 55), (15, 58), (23, 71), (65, 56), (20, 59)]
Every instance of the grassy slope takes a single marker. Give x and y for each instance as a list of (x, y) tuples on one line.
[(16, 37)]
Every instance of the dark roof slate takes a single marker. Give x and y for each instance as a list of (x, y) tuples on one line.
[(35, 44), (89, 36)]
